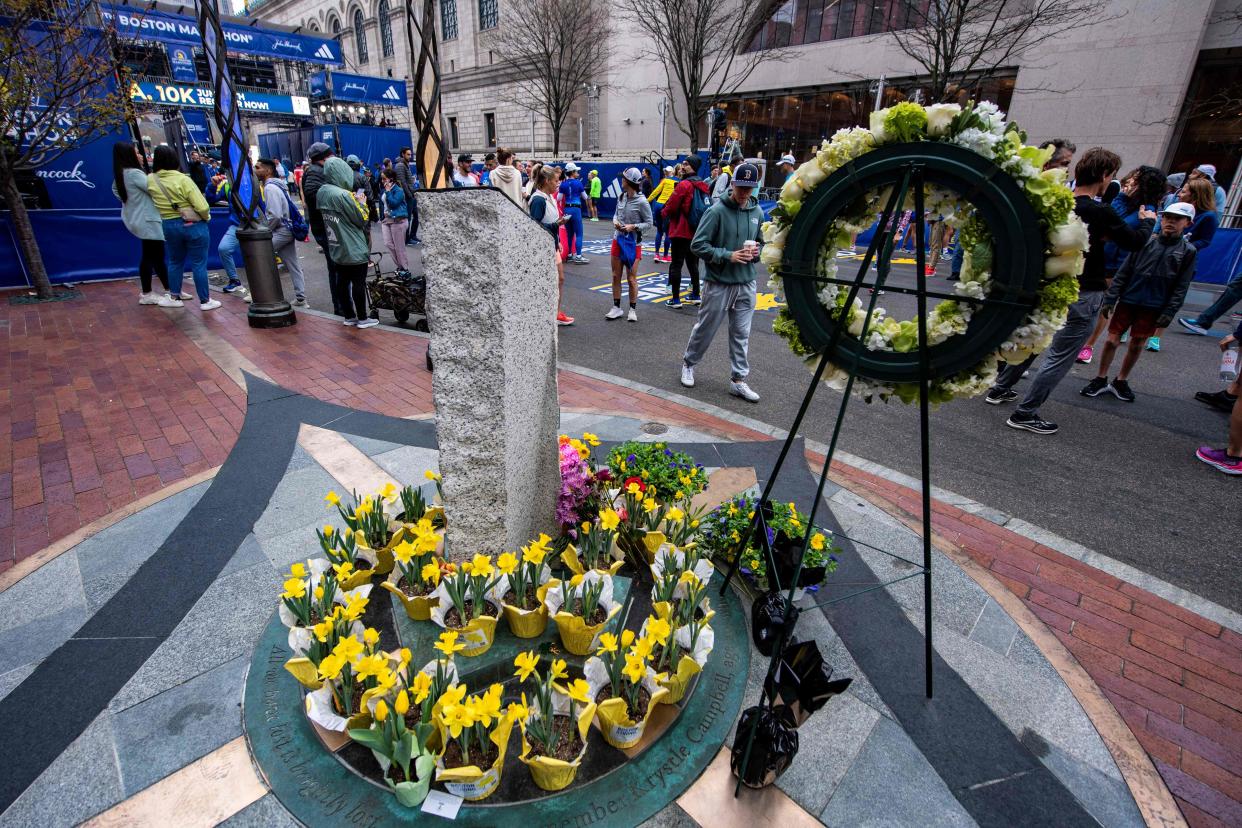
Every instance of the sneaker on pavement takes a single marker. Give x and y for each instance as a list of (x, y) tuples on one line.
[(1031, 423), (231, 286), (996, 396), (1192, 326), (563, 319), (186, 296), (741, 389), (148, 299), (673, 303), (367, 323), (1085, 355), (632, 316), (1220, 459), (694, 300), (300, 302), (614, 312), (1220, 400), (1153, 343), (1121, 390), (929, 271), (687, 375), (1095, 388), (351, 322), (580, 259), (210, 304), (169, 302)]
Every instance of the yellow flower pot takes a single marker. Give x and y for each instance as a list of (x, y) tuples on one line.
[(552, 774), (385, 561), (357, 579), (577, 636), (676, 683), (618, 729), (478, 635), (473, 783), (528, 623), (570, 558), (418, 607)]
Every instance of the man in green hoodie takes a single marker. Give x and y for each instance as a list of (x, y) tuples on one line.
[(727, 241), (349, 246)]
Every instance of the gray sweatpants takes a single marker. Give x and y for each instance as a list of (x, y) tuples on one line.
[(721, 300), (1059, 357), (286, 249)]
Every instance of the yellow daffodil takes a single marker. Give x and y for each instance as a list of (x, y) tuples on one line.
[(370, 636), (507, 563), (430, 475), (323, 629), (363, 509), (689, 579), (294, 588), (333, 498), (355, 605), (576, 581), (578, 690), (817, 542), (403, 552), (402, 703), (481, 566), (371, 665), (537, 550), (559, 669), (381, 711), (318, 592), (518, 711), (526, 664), (658, 629), (329, 530), (425, 537), (694, 524), (674, 514), (330, 667), (609, 519), (453, 694), (406, 655), (487, 706), (607, 643), (635, 668), (421, 687), (642, 647), (633, 489), (456, 717), (389, 492), (650, 505), (586, 526), (343, 570), (627, 638), (431, 573), (348, 648), (298, 570), (448, 643), (590, 439)]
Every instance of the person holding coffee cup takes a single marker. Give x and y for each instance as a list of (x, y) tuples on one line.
[(727, 240)]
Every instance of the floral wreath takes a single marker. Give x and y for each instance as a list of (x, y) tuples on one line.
[(981, 128)]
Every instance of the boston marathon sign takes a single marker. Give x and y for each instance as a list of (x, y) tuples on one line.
[(165, 27), (176, 94)]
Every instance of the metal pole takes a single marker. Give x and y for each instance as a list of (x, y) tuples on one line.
[(532, 134), (580, 136), (924, 420), (663, 119), (879, 94)]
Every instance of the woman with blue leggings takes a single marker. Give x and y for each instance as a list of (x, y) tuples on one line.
[(571, 191)]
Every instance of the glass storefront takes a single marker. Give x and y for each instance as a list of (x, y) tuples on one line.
[(1211, 132), (770, 124)]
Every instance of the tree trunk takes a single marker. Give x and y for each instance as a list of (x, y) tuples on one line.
[(25, 234), (556, 142), (695, 125)]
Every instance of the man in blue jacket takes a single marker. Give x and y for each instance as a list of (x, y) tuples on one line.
[(727, 241)]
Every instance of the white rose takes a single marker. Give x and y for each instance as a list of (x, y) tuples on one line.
[(939, 116), (792, 190), (811, 175), (1069, 236), (877, 125), (1069, 264), (774, 234), (771, 254)]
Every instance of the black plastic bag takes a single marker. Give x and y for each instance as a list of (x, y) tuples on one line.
[(775, 746), (802, 682), (785, 552), (767, 616)]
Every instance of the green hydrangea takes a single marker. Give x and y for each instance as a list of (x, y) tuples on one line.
[(786, 328), (1052, 200), (1059, 294), (906, 122)]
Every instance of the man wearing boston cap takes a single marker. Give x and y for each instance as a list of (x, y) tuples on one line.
[(727, 240)]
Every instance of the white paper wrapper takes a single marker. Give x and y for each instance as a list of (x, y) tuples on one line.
[(446, 603), (703, 570), (317, 567), (597, 677), (555, 598), (320, 711)]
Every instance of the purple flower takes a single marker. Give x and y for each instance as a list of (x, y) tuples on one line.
[(771, 535), (833, 558), (813, 588), (631, 459), (668, 453)]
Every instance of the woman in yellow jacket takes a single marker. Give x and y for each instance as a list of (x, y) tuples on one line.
[(185, 216), (658, 197)]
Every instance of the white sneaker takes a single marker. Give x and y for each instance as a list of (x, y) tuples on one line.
[(367, 323), (614, 313), (741, 389), (210, 304), (148, 299), (687, 375), (632, 316), (167, 301), (351, 322), (186, 296), (300, 302)]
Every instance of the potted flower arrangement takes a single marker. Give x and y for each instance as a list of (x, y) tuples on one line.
[(467, 603), (554, 728), (401, 751), (581, 607), (414, 507), (597, 545), (525, 578), (370, 523), (474, 733), (416, 572), (352, 674), (684, 637), (656, 465), (335, 614), (624, 689), (582, 484), (348, 547)]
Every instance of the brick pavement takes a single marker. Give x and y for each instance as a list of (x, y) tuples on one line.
[(103, 401)]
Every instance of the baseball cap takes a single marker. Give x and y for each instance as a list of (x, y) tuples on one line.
[(353, 159), (1207, 169), (788, 159), (318, 150), (465, 158), (1180, 208), (633, 175), (1176, 180), (668, 170), (571, 167), (746, 175)]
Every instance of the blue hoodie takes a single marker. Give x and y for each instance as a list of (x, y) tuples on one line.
[(1114, 256)]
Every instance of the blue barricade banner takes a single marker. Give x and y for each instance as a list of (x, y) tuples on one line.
[(82, 178), (164, 27), (196, 126), (1221, 260), (359, 89), (371, 144), (181, 61), (178, 94)]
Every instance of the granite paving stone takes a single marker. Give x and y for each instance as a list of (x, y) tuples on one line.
[(828, 744), (124, 546), (81, 782), (369, 445), (1107, 798), (222, 625), (172, 729), (265, 812), (672, 816), (892, 784), (47, 592), (298, 499), (295, 545), (35, 639), (14, 677), (994, 628), (407, 464)]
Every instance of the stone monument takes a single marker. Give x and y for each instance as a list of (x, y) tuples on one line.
[(492, 300)]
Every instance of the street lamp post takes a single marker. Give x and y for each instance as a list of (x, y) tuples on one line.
[(268, 308)]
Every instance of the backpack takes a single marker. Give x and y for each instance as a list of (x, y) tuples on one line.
[(296, 222), (699, 202)]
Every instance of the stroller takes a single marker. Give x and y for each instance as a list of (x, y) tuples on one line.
[(398, 291)]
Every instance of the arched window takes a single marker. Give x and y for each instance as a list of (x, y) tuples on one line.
[(359, 37), (335, 27), (385, 27)]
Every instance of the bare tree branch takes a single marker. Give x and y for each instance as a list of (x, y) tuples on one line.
[(552, 61)]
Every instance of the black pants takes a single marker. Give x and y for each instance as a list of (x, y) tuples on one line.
[(411, 231), (152, 261), (351, 283), (321, 238), (681, 253)]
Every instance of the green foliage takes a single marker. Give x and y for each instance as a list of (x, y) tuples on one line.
[(658, 466), (906, 122)]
